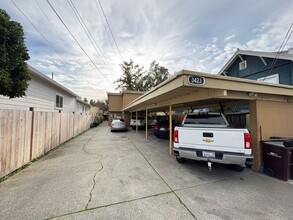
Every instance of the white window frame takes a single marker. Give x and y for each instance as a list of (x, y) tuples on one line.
[(62, 104), (276, 76), (245, 65)]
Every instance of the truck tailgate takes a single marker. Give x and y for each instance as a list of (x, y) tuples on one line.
[(214, 139)]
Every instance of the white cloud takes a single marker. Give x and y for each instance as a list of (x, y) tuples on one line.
[(166, 31), (229, 37), (125, 34)]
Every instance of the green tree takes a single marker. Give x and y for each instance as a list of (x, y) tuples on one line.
[(136, 79), (103, 105), (92, 102), (156, 75), (13, 56), (132, 77)]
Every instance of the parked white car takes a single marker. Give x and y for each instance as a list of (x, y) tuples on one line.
[(141, 123), (118, 124)]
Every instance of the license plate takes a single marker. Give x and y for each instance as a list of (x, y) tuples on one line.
[(208, 154), (162, 129)]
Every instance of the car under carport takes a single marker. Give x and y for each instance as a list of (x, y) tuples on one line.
[(270, 105)]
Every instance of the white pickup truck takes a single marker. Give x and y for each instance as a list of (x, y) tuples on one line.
[(207, 137)]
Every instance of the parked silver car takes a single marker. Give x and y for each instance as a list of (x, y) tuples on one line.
[(118, 124)]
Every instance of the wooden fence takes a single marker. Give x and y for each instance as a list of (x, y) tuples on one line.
[(25, 135)]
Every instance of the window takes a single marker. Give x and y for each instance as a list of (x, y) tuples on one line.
[(243, 65), (205, 119), (59, 101), (270, 79)]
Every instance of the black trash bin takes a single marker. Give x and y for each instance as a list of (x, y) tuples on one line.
[(278, 159)]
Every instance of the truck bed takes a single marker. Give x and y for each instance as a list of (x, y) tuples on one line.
[(212, 139)]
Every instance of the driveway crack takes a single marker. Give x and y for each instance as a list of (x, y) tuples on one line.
[(94, 186), (95, 174)]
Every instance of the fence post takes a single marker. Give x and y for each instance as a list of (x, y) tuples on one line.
[(60, 127), (73, 123), (32, 132)]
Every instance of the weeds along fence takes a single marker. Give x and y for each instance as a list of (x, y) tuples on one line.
[(25, 135)]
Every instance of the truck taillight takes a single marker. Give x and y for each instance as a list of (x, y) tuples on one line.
[(175, 136), (156, 125), (247, 141)]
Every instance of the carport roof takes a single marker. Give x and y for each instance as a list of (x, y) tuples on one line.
[(179, 92)]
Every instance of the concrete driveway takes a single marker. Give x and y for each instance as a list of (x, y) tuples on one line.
[(104, 175)]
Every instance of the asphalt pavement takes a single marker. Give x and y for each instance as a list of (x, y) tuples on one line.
[(121, 175)]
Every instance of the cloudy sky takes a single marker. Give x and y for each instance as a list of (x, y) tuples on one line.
[(198, 35)]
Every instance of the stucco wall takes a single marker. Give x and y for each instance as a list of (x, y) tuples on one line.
[(129, 97), (115, 103), (268, 119), (119, 101)]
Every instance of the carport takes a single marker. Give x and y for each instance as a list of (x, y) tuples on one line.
[(270, 105)]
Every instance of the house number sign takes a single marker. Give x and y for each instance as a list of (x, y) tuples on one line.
[(196, 80)]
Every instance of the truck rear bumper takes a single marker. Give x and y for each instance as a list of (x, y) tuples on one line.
[(226, 158)]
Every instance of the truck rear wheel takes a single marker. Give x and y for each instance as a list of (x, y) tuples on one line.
[(180, 159), (239, 168)]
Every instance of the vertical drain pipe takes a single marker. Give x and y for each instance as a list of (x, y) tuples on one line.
[(32, 109)]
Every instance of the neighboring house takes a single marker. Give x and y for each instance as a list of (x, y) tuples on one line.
[(96, 110), (45, 94), (82, 106), (117, 101), (262, 66)]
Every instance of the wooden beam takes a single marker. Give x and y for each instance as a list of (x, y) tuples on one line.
[(179, 90), (240, 57), (263, 61), (256, 96), (176, 83), (243, 86), (146, 124), (170, 128)]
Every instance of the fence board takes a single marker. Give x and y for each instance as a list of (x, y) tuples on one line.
[(49, 130), (67, 127), (15, 128)]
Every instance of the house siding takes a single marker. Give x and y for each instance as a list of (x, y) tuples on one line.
[(79, 108), (40, 95), (256, 69)]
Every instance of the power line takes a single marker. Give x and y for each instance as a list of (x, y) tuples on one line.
[(78, 43), (104, 25), (111, 31), (37, 29), (283, 44), (91, 38), (40, 33), (50, 22)]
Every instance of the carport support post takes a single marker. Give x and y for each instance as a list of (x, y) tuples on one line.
[(146, 124), (170, 127), (136, 124)]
